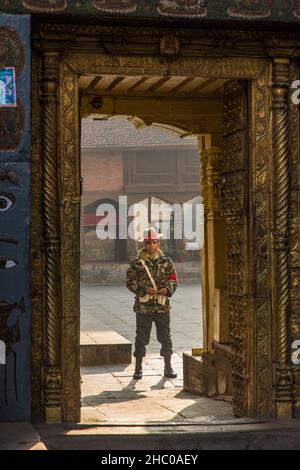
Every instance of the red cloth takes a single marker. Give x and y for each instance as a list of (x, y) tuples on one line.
[(172, 276)]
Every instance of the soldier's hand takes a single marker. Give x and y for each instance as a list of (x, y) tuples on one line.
[(151, 291), (162, 291)]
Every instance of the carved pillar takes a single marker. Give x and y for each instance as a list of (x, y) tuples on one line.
[(52, 385), (281, 233), (234, 207), (294, 235), (214, 259)]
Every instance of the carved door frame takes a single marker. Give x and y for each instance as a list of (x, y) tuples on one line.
[(55, 211)]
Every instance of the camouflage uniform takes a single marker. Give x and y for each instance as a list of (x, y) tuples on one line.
[(163, 272)]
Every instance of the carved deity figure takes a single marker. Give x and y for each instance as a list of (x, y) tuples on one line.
[(45, 5), (183, 8), (116, 6), (250, 8)]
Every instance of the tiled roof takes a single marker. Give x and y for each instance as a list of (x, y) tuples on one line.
[(118, 132)]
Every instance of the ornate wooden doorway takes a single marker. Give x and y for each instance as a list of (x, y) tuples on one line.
[(65, 54)]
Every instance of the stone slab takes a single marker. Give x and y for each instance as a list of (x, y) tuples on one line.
[(240, 436), (96, 354), (19, 436)]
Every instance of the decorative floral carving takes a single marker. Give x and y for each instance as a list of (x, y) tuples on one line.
[(294, 230), (70, 245), (45, 5), (182, 8), (243, 231), (250, 8), (233, 208), (116, 6), (262, 320), (37, 268)]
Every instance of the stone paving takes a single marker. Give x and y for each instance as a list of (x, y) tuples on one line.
[(112, 306), (110, 395)]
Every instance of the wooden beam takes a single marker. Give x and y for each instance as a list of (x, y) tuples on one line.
[(94, 82), (182, 84), (114, 83), (158, 84)]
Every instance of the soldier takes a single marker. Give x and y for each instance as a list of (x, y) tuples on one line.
[(152, 278)]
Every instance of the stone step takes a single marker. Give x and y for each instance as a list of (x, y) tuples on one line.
[(262, 435), (104, 347)]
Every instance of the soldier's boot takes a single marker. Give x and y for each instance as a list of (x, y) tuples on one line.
[(169, 373), (138, 373)]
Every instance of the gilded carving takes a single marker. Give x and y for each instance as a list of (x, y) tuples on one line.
[(294, 234), (169, 45), (235, 197), (182, 8), (70, 244), (210, 179), (252, 371), (238, 309), (52, 231), (233, 186), (37, 266), (261, 365), (227, 67), (281, 75)]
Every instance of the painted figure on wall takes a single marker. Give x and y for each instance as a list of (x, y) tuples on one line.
[(10, 335), (15, 337), (296, 6), (45, 5), (250, 8), (116, 6), (9, 318), (182, 8), (11, 50), (11, 127), (8, 87)]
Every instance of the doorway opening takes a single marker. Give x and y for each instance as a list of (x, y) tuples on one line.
[(147, 166)]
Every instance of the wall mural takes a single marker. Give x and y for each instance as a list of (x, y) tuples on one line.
[(15, 355), (296, 4), (45, 5), (116, 6), (8, 88), (267, 10), (183, 8), (14, 329), (250, 8)]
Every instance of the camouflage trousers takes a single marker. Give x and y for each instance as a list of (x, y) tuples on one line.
[(143, 329)]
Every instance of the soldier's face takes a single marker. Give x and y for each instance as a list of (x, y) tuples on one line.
[(151, 247)]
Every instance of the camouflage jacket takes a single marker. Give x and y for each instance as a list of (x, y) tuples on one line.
[(164, 274)]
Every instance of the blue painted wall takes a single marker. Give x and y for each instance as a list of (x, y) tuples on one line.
[(14, 224)]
